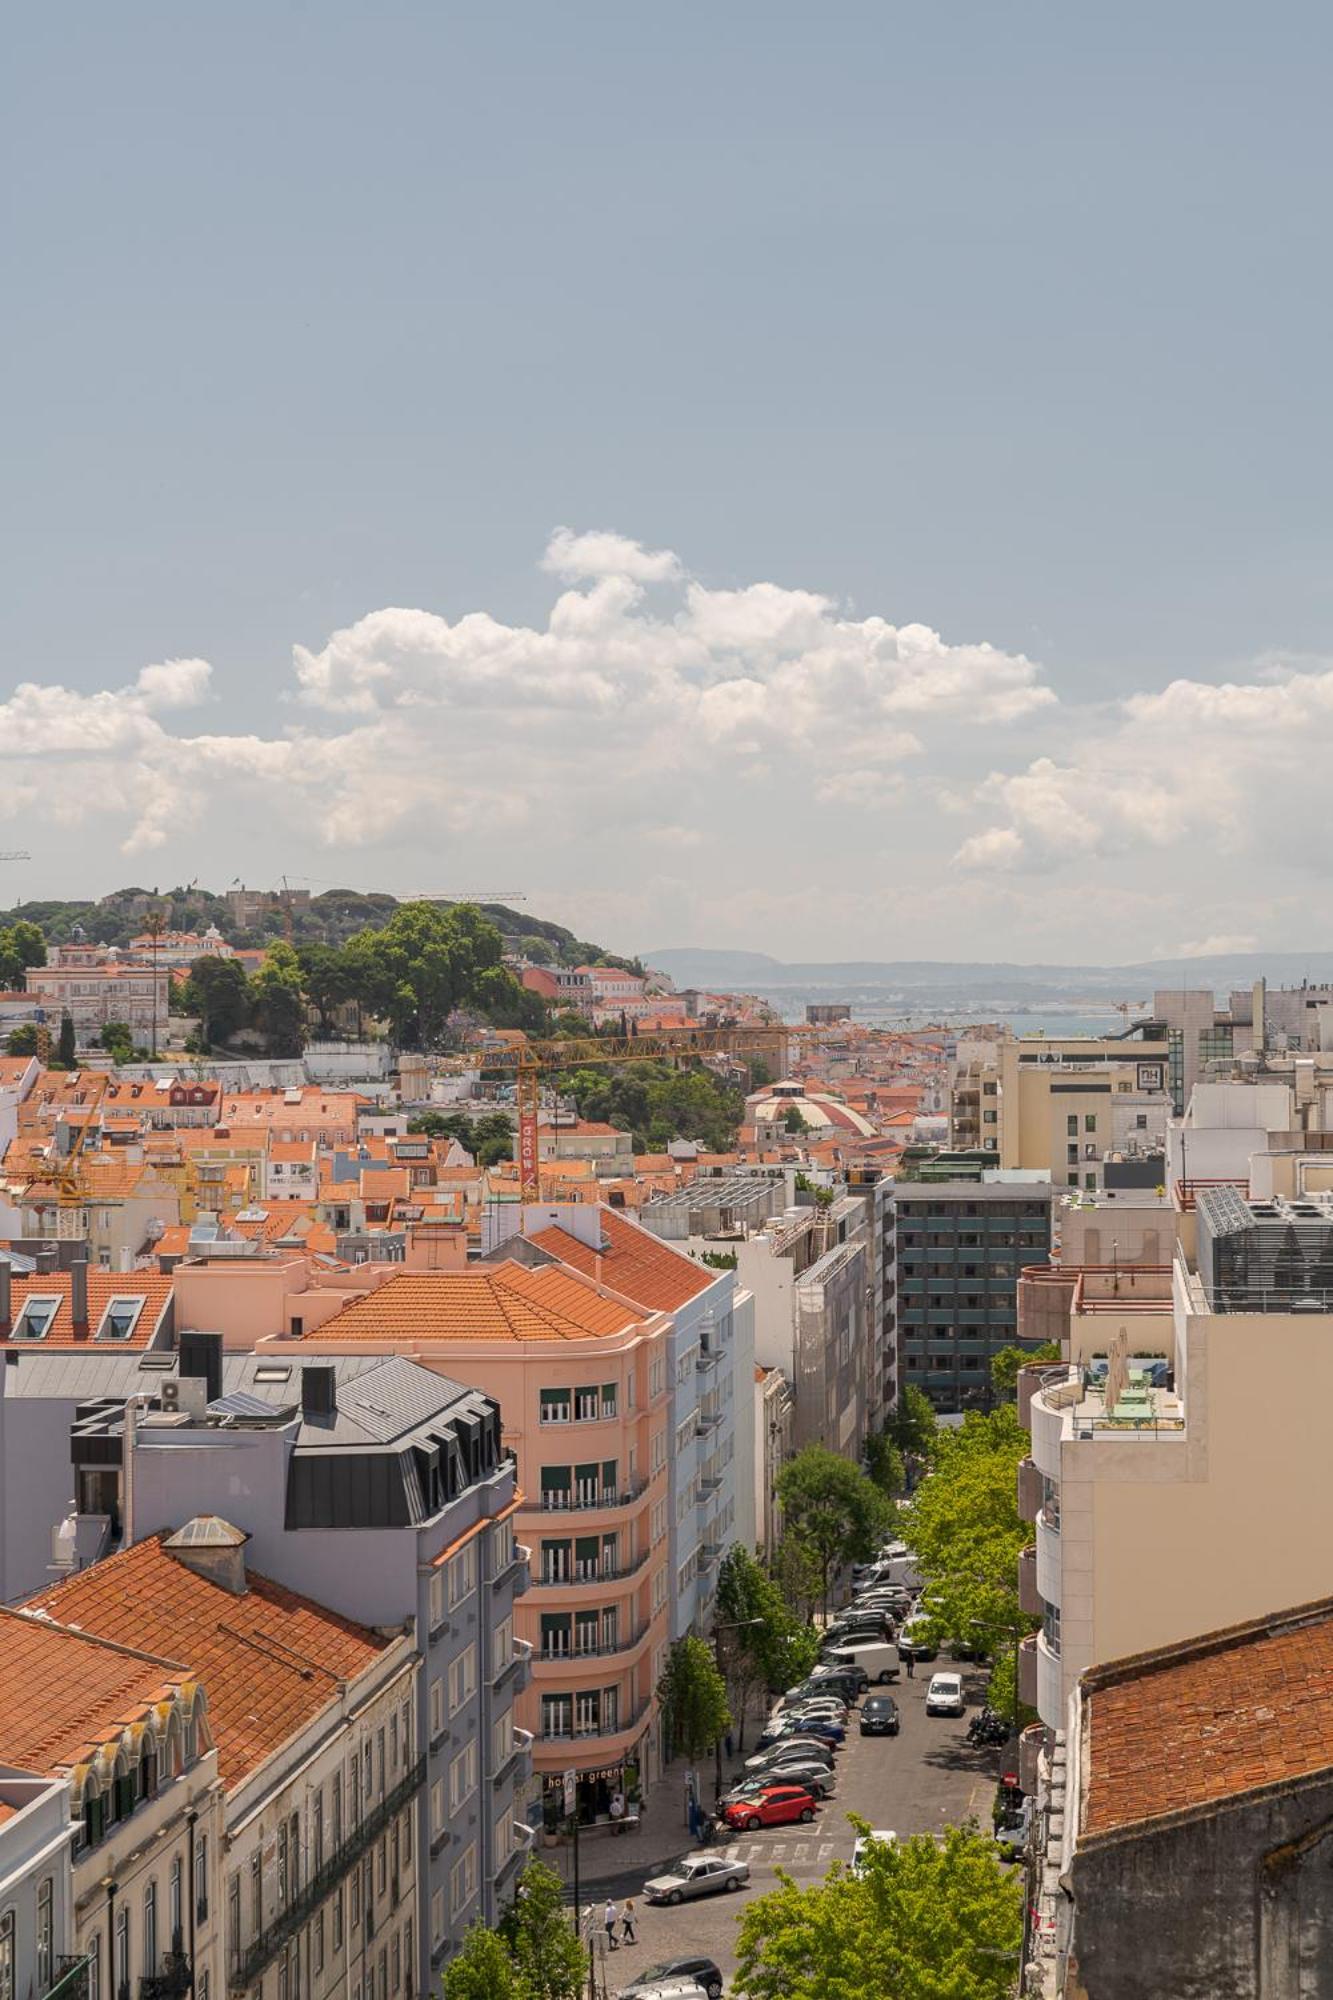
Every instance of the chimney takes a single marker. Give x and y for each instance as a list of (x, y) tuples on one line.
[(319, 1394), (78, 1296), (6, 1299), (45, 1260), (167, 1262), (201, 1354), (212, 1548)]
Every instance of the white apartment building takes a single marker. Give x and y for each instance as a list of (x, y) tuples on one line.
[(37, 1891), (1178, 1476)]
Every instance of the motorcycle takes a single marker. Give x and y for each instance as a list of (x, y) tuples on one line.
[(988, 1727)]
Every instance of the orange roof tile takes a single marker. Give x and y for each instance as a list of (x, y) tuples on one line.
[(509, 1302), (270, 1661), (1192, 1724), (103, 1286), (90, 1691), (633, 1262)]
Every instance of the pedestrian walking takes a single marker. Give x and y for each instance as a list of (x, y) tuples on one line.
[(627, 1932), (609, 1919), (911, 1664), (727, 1744)]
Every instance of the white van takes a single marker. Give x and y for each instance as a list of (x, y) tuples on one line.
[(877, 1658)]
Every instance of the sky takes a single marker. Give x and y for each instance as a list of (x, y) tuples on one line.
[(843, 480)]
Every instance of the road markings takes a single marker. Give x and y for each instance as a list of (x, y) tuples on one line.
[(825, 1850), (801, 1851)]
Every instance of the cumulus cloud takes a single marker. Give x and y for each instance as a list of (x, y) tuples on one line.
[(1220, 945), (601, 553)]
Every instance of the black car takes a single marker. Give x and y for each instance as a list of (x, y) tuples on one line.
[(859, 1624), (849, 1682), (879, 1716), (703, 1970)]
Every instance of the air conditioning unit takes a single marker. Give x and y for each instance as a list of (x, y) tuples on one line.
[(170, 1396)]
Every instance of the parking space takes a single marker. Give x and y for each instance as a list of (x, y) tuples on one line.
[(920, 1781)]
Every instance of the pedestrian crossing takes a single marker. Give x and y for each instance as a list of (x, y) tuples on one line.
[(784, 1853)]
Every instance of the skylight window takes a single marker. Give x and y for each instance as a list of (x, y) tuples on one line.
[(34, 1322), (120, 1318)]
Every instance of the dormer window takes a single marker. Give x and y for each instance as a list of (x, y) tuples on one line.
[(34, 1321), (120, 1318)]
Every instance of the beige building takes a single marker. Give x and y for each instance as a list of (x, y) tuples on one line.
[(312, 1716), (1178, 1476), (1062, 1105)]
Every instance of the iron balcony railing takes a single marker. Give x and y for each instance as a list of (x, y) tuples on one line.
[(173, 1979), (69, 1978), (599, 1573), (564, 1500), (570, 1655), (248, 1964)]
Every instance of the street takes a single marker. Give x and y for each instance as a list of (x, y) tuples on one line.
[(920, 1781)]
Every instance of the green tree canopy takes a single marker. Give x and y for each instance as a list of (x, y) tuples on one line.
[(928, 1920), (657, 1102), (964, 1525), (219, 993), (66, 1047), (117, 1040), (796, 1570), (22, 1041), (483, 1970), (768, 1646), (21, 946), (884, 1463), (543, 1950), (693, 1698), (829, 1504), (1005, 1365), (911, 1425), (277, 1002)]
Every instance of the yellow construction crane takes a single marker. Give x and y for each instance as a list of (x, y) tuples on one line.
[(528, 1061), (62, 1172)]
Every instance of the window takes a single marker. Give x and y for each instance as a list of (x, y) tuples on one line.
[(587, 1714), (407, 1838), (175, 1927), (319, 1941), (355, 1888), (317, 1828), (554, 1406), (502, 1646), (395, 1964), (201, 1878), (202, 1986), (122, 1950), (380, 1759), (338, 1921), (34, 1322), (94, 1964), (436, 1814), (384, 1864), (463, 1574), (436, 1601), (555, 1562), (462, 1678), (120, 1319), (557, 1715), (407, 1732), (502, 1546), (234, 1918), (256, 1895), (46, 1941), (437, 1917), (464, 1883), (284, 1868), (555, 1635), (436, 1709), (1071, 1124), (462, 1777), (407, 1949), (337, 1810), (587, 1405), (150, 1929)]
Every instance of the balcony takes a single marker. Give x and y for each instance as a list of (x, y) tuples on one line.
[(519, 1748), (247, 1967), (516, 1671), (1029, 1597), (1030, 1489), (515, 1570), (174, 1978), (69, 1979), (706, 1421), (570, 1656), (1027, 1672), (595, 1741), (564, 1500), (590, 1579), (1049, 1703), (1049, 1560), (705, 1362)]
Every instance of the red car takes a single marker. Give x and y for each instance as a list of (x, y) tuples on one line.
[(776, 1805)]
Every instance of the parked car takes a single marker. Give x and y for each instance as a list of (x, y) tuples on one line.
[(944, 1696), (917, 1640), (777, 1805), (840, 1677), (872, 1624), (1013, 1831), (810, 1702), (879, 1716), (792, 1750), (695, 1875), (864, 1840), (807, 1771), (822, 1724), (667, 1989), (873, 1659), (819, 1694), (703, 1971)]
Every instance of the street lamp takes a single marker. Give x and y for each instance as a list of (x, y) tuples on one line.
[(736, 1625)]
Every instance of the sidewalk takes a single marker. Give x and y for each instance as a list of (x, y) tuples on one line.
[(618, 1864)]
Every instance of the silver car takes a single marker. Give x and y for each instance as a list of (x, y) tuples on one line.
[(696, 1875)]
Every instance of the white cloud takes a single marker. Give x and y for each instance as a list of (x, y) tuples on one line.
[(1219, 945), (601, 553)]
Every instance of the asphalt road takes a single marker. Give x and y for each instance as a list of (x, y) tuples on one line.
[(920, 1781)]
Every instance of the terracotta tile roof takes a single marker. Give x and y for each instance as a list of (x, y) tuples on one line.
[(634, 1263), (270, 1661), (1225, 1714), (103, 1286), (509, 1302), (90, 1691)]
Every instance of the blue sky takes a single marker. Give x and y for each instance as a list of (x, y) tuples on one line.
[(1009, 323)]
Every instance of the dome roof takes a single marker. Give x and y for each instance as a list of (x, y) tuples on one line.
[(823, 1113)]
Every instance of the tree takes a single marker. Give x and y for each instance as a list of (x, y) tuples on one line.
[(830, 1505), (546, 1956), (66, 1047), (693, 1698), (964, 1526), (218, 992), (22, 1041), (21, 945), (277, 1002), (793, 1120), (1005, 1365), (767, 1646), (484, 1970), (927, 1920), (117, 1040), (884, 1463), (912, 1426), (795, 1570), (326, 981)]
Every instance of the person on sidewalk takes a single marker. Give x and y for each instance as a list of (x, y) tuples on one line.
[(627, 1932), (609, 1919)]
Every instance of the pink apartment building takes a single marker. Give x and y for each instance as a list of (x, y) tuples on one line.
[(581, 1379)]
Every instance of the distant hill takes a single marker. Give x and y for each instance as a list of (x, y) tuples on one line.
[(950, 982)]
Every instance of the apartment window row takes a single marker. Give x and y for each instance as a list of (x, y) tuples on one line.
[(581, 1559), (566, 1634), (462, 1678), (593, 1712), (391, 1973), (593, 1485), (590, 1404)]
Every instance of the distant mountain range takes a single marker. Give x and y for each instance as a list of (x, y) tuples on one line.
[(950, 983)]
